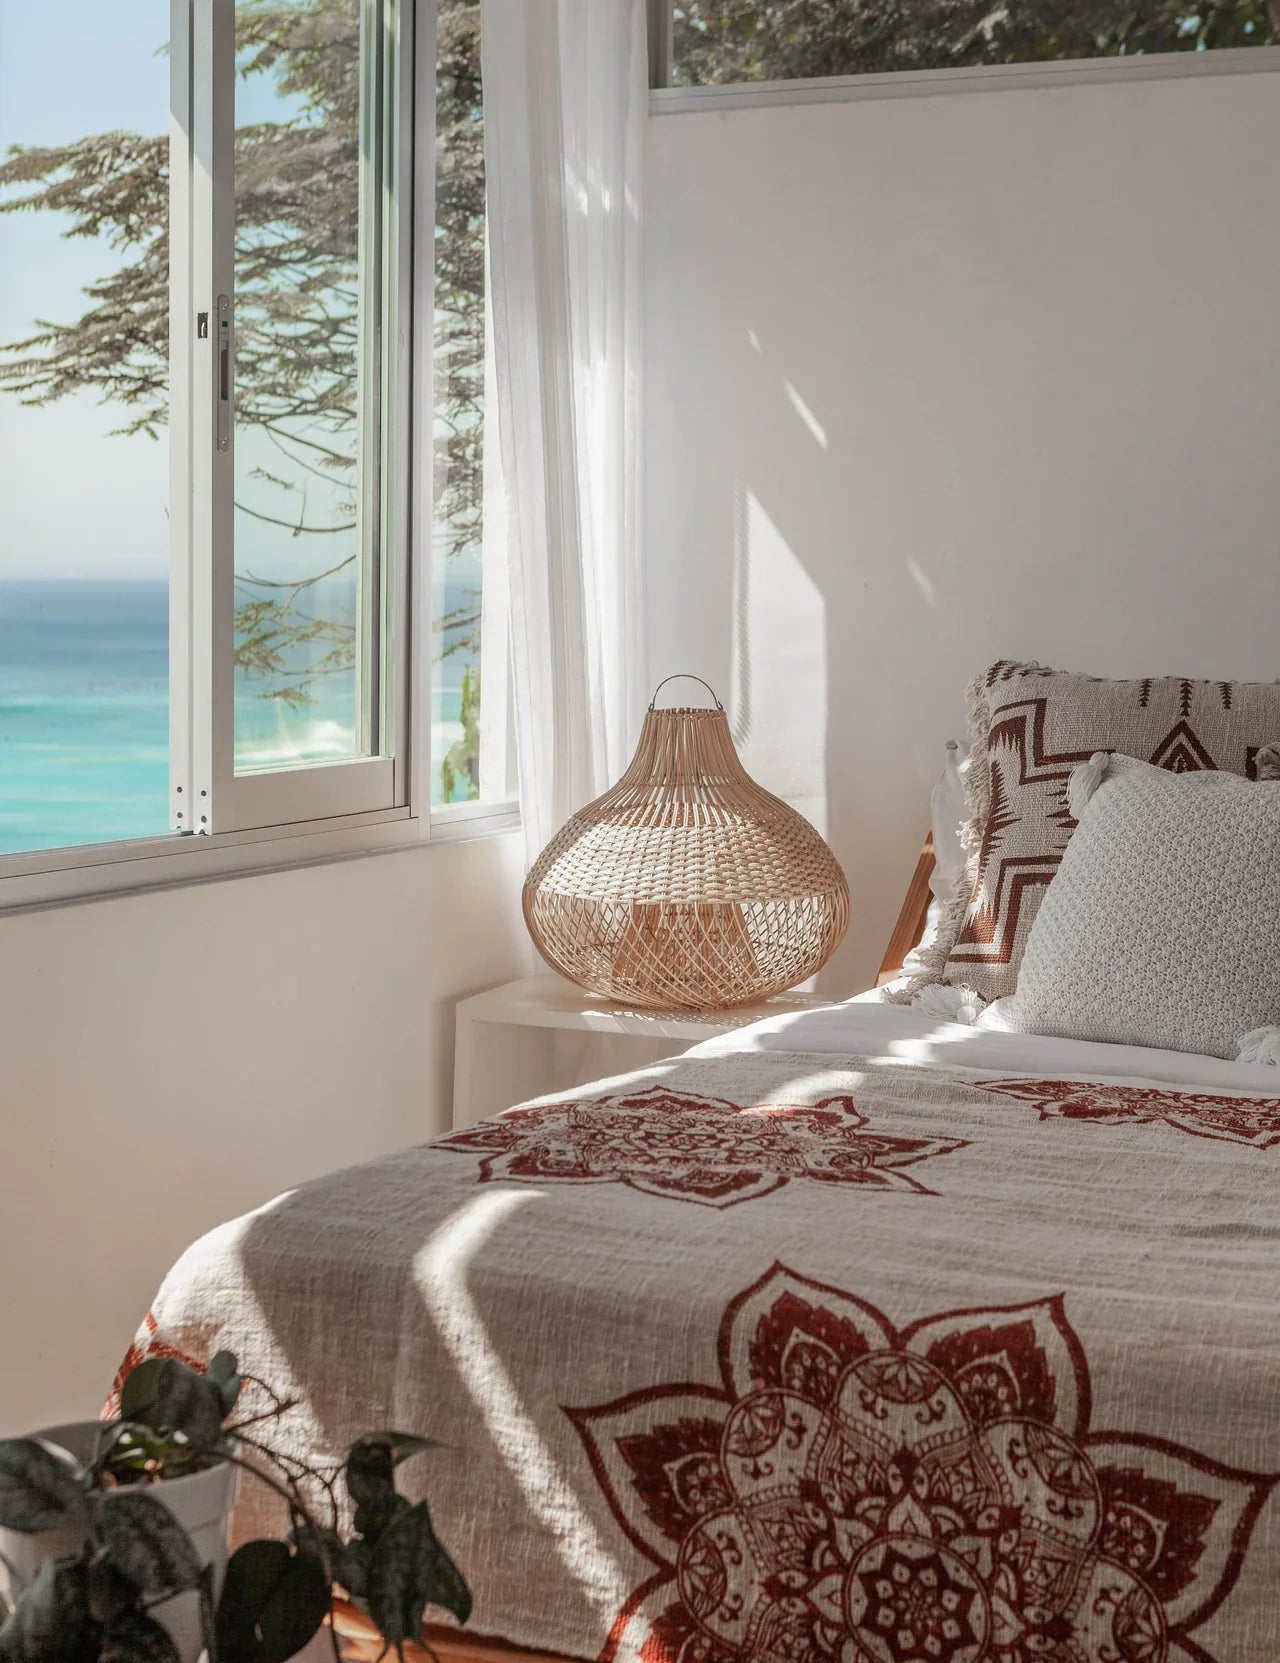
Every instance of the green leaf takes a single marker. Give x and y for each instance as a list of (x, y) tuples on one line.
[(408, 1571), (349, 1562), (401, 1444), (137, 1638), (138, 1394), (51, 1622), (37, 1487), (166, 1395), (371, 1525), (145, 1543), (110, 1594), (189, 1403), (224, 1372), (223, 1366), (371, 1481), (272, 1602)]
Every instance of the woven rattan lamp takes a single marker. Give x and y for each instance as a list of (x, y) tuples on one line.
[(687, 886)]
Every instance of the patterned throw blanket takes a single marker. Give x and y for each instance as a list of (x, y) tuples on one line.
[(794, 1359)]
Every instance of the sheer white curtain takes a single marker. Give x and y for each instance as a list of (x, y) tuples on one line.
[(565, 96)]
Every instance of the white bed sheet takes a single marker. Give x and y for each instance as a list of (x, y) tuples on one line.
[(867, 1026)]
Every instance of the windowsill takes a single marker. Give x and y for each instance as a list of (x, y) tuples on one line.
[(102, 870), (934, 83)]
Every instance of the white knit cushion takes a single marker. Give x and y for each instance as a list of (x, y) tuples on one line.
[(1162, 924)]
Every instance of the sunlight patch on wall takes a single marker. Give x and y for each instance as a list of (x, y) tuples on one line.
[(778, 702), (807, 416), (923, 582)]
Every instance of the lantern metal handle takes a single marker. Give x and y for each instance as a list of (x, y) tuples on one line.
[(684, 675)]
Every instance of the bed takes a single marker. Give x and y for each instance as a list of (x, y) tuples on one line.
[(849, 1336)]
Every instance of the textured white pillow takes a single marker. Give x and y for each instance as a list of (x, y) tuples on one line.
[(1162, 924)]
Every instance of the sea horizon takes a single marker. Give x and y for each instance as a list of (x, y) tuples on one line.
[(84, 712)]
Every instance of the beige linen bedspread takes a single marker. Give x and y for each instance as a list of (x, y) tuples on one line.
[(794, 1359)]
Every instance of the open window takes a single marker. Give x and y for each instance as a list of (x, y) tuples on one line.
[(246, 589), (709, 42), (288, 686)]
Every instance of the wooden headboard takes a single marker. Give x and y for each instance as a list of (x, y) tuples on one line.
[(911, 920)]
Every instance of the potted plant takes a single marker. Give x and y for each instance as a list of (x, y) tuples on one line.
[(114, 1535)]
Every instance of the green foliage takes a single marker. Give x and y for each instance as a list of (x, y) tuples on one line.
[(297, 303), (95, 1607), (461, 762), (52, 1622), (143, 1541), (273, 1600), (37, 1489), (781, 40), (409, 1570)]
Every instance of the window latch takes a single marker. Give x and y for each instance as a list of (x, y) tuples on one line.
[(224, 372)]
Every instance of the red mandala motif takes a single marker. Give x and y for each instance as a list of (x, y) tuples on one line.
[(1251, 1120), (855, 1493), (691, 1148), (138, 1352)]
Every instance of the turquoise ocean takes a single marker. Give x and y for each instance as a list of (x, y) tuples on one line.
[(84, 712)]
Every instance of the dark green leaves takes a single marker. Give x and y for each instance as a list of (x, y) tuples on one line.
[(401, 1444), (272, 1602), (97, 1609), (37, 1488), (165, 1395), (371, 1475), (408, 1571), (138, 1638), (399, 1567), (371, 1481), (52, 1623), (348, 1561), (146, 1544), (224, 1373)]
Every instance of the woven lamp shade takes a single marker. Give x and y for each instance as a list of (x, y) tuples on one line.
[(687, 886)]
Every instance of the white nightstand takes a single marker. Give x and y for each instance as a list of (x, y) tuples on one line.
[(544, 1034)]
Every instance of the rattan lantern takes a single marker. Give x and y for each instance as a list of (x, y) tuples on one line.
[(687, 886)]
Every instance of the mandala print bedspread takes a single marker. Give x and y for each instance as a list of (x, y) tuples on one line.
[(763, 1360)]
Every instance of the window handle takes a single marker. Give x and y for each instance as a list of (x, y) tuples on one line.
[(224, 372)]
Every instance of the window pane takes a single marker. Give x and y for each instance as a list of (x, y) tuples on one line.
[(791, 40), (468, 753), (306, 578), (84, 121)]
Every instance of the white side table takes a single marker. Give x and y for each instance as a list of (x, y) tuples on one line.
[(543, 1034)]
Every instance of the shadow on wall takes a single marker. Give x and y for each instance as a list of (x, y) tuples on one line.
[(936, 381)]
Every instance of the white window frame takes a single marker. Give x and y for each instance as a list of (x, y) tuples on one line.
[(207, 794), (665, 99), (316, 812)]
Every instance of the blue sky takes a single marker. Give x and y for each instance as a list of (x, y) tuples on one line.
[(77, 501)]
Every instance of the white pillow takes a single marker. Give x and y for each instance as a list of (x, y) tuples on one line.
[(1162, 924)]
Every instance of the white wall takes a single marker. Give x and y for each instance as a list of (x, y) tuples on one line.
[(169, 1059), (937, 380)]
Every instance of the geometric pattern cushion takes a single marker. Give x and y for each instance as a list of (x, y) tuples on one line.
[(1030, 727)]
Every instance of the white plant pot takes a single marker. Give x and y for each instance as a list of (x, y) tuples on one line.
[(201, 1503)]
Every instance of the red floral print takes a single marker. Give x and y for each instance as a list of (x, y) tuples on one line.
[(689, 1148), (855, 1493), (146, 1344), (1251, 1120)]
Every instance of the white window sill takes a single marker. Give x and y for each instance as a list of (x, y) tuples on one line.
[(53, 877), (934, 83)]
